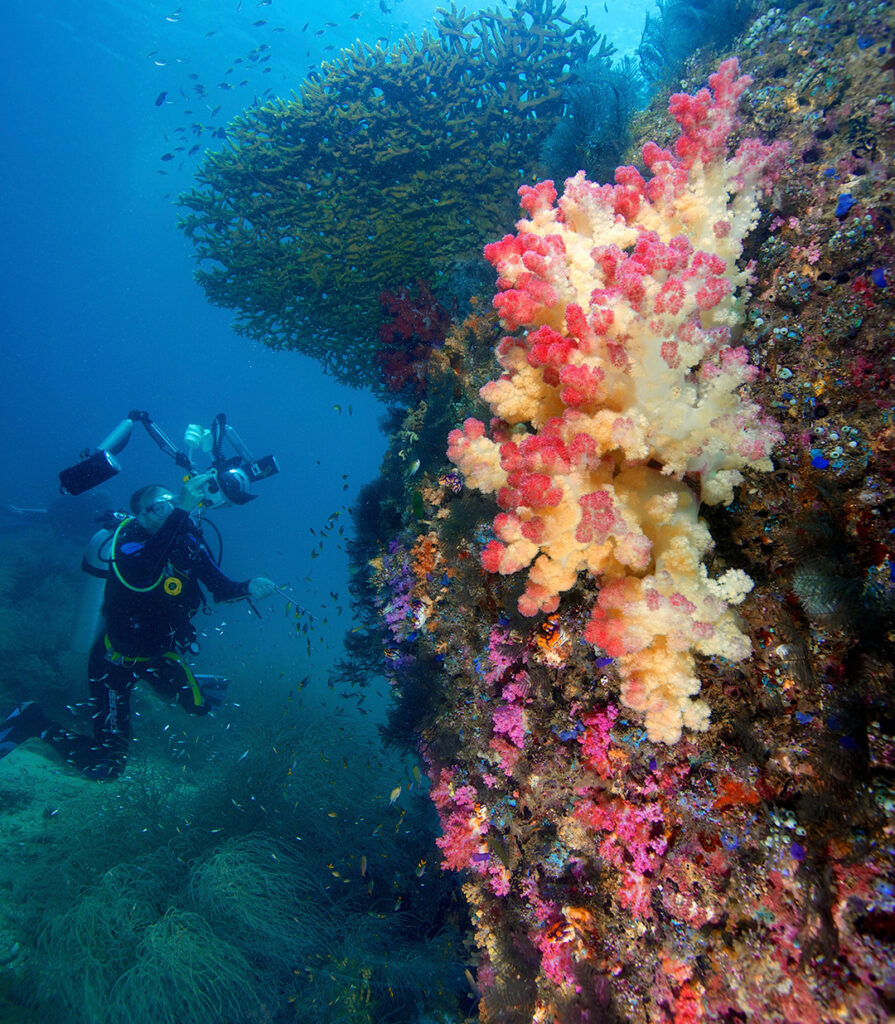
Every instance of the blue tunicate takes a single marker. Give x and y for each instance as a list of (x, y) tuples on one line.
[(864, 42), (603, 662), (830, 172), (652, 764), (803, 719), (878, 276), (844, 205), (818, 461), (798, 851), (570, 734)]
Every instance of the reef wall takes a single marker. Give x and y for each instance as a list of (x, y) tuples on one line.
[(615, 866)]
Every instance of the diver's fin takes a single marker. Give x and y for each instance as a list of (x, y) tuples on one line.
[(214, 690), (23, 723)]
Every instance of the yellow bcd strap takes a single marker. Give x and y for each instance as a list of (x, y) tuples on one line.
[(198, 699), (128, 659)]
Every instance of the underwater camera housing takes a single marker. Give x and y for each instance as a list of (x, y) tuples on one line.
[(230, 479), (227, 482)]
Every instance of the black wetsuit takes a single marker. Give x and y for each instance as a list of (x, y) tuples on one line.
[(148, 608)]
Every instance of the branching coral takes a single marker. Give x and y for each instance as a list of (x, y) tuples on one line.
[(626, 374), (361, 182)]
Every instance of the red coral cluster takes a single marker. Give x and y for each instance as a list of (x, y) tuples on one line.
[(419, 323)]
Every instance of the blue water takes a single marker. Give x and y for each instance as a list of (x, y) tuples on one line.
[(100, 312)]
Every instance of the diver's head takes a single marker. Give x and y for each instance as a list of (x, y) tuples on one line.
[(151, 506)]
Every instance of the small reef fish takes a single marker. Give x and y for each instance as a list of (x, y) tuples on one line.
[(393, 796), (160, 99)]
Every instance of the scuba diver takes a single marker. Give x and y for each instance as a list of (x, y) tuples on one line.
[(149, 569), (158, 559)]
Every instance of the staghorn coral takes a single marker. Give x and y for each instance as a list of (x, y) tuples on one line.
[(361, 182), (628, 379)]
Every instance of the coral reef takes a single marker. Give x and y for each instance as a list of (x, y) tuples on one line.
[(364, 181), (746, 872)]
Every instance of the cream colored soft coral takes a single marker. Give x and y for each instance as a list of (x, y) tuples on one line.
[(622, 393)]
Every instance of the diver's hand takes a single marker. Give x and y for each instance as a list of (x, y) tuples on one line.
[(193, 492), (261, 586)]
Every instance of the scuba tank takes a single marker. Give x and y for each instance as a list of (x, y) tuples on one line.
[(89, 618)]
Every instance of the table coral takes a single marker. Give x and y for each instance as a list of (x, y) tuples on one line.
[(362, 182)]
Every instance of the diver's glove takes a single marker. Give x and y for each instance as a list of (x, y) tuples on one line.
[(261, 586)]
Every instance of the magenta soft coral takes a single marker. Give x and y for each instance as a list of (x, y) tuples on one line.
[(630, 837), (463, 825)]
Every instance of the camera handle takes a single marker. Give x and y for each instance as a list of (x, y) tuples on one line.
[(164, 442), (221, 430)]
